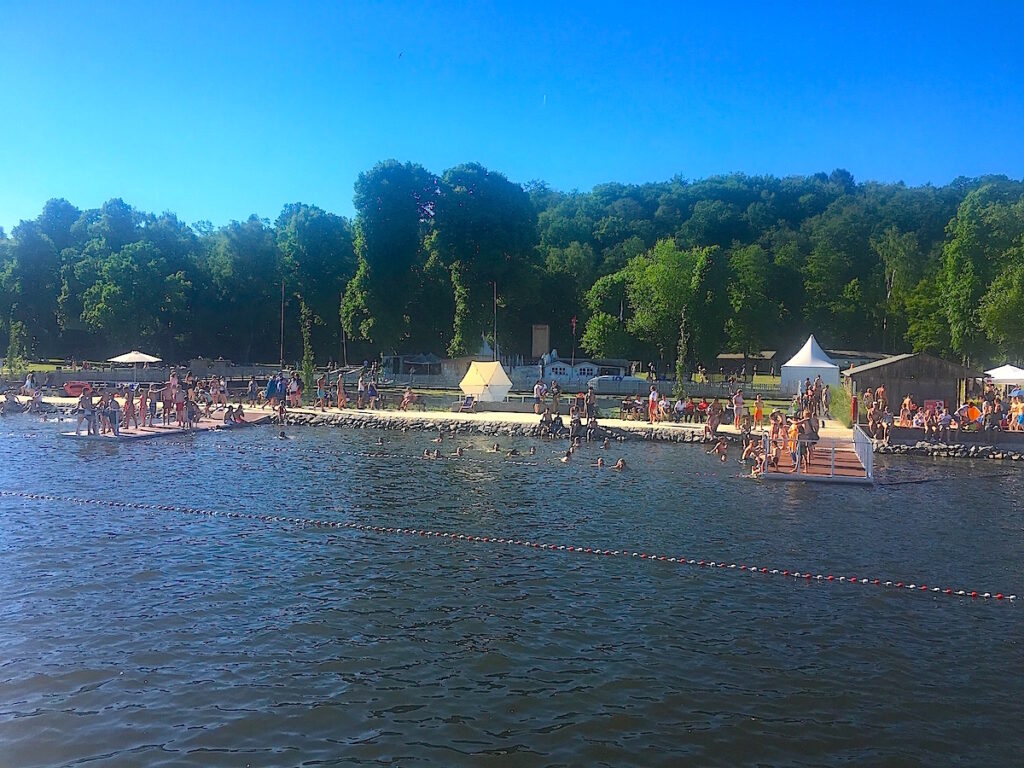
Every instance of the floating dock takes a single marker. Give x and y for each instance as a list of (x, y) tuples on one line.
[(832, 461), (158, 431)]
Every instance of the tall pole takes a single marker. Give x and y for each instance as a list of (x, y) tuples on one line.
[(282, 323), (495, 284)]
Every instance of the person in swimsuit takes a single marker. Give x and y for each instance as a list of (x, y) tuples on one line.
[(86, 414), (179, 406), (143, 404), (758, 412), (130, 413), (737, 408)]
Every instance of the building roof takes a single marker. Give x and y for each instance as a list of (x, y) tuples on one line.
[(877, 364), (834, 353), (764, 354), (899, 358)]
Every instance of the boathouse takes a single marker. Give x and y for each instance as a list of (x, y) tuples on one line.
[(924, 376)]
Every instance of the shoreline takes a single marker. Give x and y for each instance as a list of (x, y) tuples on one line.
[(515, 424)]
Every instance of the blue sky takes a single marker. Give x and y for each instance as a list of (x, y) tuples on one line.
[(220, 110)]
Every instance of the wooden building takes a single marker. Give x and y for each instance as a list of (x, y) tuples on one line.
[(924, 376)]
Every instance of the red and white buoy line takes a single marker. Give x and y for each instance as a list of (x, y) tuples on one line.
[(736, 568)]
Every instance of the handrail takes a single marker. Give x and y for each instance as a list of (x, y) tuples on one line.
[(864, 446)]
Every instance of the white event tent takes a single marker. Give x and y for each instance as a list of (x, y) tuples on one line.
[(1007, 374), (487, 382), (809, 362)]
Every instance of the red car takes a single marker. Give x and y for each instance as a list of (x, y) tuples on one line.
[(77, 388)]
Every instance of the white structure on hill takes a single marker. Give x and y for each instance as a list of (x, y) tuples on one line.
[(810, 362)]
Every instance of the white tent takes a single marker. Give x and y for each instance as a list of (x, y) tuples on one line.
[(1006, 374), (809, 362), (487, 382)]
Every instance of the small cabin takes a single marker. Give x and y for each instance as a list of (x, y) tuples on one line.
[(924, 376)]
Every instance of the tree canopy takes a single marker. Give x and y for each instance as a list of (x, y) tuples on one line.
[(649, 271)]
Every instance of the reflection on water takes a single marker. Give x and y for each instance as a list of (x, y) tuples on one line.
[(155, 638)]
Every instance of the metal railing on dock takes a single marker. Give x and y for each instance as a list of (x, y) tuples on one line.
[(864, 446)]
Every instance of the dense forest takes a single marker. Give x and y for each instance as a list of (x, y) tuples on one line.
[(675, 271)]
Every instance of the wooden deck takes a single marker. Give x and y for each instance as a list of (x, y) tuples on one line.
[(158, 431), (831, 462)]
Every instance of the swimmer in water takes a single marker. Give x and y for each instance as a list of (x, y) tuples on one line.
[(568, 455), (495, 449), (380, 441), (533, 451), (439, 438), (620, 464), (426, 454), (436, 454), (457, 454), (511, 453), (721, 448), (600, 462), (605, 444), (282, 436)]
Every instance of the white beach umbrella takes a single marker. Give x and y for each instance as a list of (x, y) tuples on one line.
[(135, 357)]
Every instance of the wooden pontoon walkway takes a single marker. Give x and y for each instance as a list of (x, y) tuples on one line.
[(832, 461), (158, 431)]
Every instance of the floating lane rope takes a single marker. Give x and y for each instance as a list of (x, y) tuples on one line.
[(737, 568)]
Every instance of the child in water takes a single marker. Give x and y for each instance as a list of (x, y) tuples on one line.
[(721, 448)]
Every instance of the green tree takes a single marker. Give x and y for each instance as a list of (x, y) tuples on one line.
[(1002, 306), (395, 204), (485, 230), (657, 289), (709, 303), (604, 336), (754, 314), (901, 263), (317, 261), (927, 326), (242, 288), (17, 349), (306, 320), (135, 301), (985, 227)]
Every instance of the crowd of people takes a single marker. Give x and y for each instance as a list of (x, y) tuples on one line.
[(182, 401), (991, 412)]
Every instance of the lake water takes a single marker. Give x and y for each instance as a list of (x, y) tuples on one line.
[(136, 637)]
